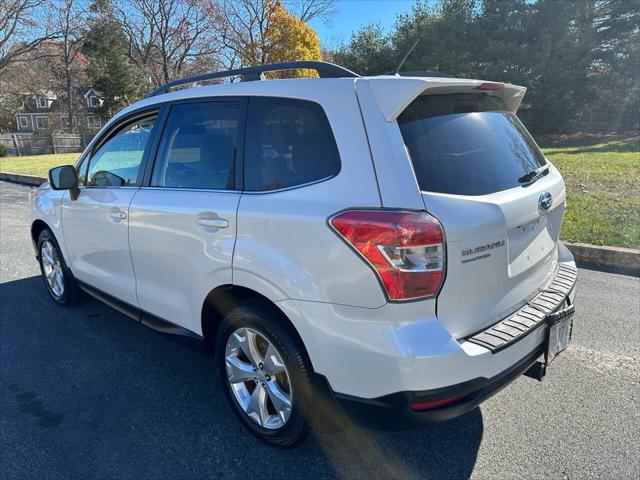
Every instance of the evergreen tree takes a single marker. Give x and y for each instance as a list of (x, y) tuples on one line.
[(571, 54), (368, 52), (557, 81), (111, 70), (501, 41), (445, 35), (615, 69)]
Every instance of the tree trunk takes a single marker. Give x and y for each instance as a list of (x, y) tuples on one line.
[(69, 97)]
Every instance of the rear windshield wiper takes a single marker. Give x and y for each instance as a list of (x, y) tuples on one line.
[(533, 175)]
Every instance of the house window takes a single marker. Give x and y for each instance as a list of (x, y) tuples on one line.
[(93, 101), (43, 102), (93, 121), (42, 123), (24, 122)]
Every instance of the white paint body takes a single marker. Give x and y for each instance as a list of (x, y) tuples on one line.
[(277, 243)]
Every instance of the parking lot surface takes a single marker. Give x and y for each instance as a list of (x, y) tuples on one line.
[(88, 393)]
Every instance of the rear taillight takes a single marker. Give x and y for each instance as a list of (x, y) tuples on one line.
[(406, 249)]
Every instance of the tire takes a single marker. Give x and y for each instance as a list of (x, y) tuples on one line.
[(52, 264), (275, 426)]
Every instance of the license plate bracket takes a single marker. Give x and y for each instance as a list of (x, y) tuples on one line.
[(559, 329)]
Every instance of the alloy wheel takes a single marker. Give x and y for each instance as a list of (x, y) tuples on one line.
[(52, 269), (258, 378)]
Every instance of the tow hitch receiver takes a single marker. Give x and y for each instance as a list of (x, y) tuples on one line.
[(537, 371)]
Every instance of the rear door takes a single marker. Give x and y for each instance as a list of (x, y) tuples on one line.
[(182, 225), (96, 224), (499, 200)]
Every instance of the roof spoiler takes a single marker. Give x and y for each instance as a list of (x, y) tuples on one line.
[(394, 94)]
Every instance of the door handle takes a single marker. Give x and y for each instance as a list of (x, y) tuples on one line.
[(209, 222), (117, 214)]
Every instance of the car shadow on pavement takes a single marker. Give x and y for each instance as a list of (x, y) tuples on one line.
[(87, 393)]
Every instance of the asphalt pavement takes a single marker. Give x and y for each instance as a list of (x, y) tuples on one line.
[(87, 393)]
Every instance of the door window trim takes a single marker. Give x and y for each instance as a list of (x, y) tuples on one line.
[(238, 161), (123, 123)]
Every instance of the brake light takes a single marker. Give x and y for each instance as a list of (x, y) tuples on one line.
[(405, 249), (490, 86)]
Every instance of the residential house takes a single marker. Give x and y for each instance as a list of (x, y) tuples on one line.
[(46, 113)]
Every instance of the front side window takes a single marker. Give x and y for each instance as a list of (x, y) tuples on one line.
[(198, 146), (116, 163), (81, 169), (289, 142), (24, 122)]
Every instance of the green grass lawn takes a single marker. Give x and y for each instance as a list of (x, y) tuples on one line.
[(37, 165), (602, 177), (603, 192)]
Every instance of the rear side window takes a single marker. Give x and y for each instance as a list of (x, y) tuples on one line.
[(198, 146), (288, 142), (467, 144)]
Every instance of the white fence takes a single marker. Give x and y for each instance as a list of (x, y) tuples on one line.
[(22, 144)]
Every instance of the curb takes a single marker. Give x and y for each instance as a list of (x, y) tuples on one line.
[(627, 259), (30, 180)]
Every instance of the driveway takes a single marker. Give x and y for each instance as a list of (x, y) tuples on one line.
[(87, 393)]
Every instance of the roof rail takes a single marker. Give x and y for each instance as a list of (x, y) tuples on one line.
[(324, 69)]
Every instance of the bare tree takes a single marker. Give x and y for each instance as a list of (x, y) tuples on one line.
[(70, 60), (24, 25), (243, 30), (307, 10), (245, 26), (169, 38)]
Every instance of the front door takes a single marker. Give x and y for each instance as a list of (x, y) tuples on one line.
[(96, 224), (182, 227)]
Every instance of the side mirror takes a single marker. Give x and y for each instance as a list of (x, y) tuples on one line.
[(65, 178)]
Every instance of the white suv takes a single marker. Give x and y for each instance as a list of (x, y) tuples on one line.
[(381, 247)]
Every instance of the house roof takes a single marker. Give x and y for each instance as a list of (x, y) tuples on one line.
[(57, 104), (91, 90)]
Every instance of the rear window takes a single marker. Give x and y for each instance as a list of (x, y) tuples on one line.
[(467, 144), (288, 142)]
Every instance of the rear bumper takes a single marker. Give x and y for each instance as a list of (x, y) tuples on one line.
[(393, 412), (529, 317), (372, 357)]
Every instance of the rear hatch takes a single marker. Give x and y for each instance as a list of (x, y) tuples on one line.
[(498, 199)]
